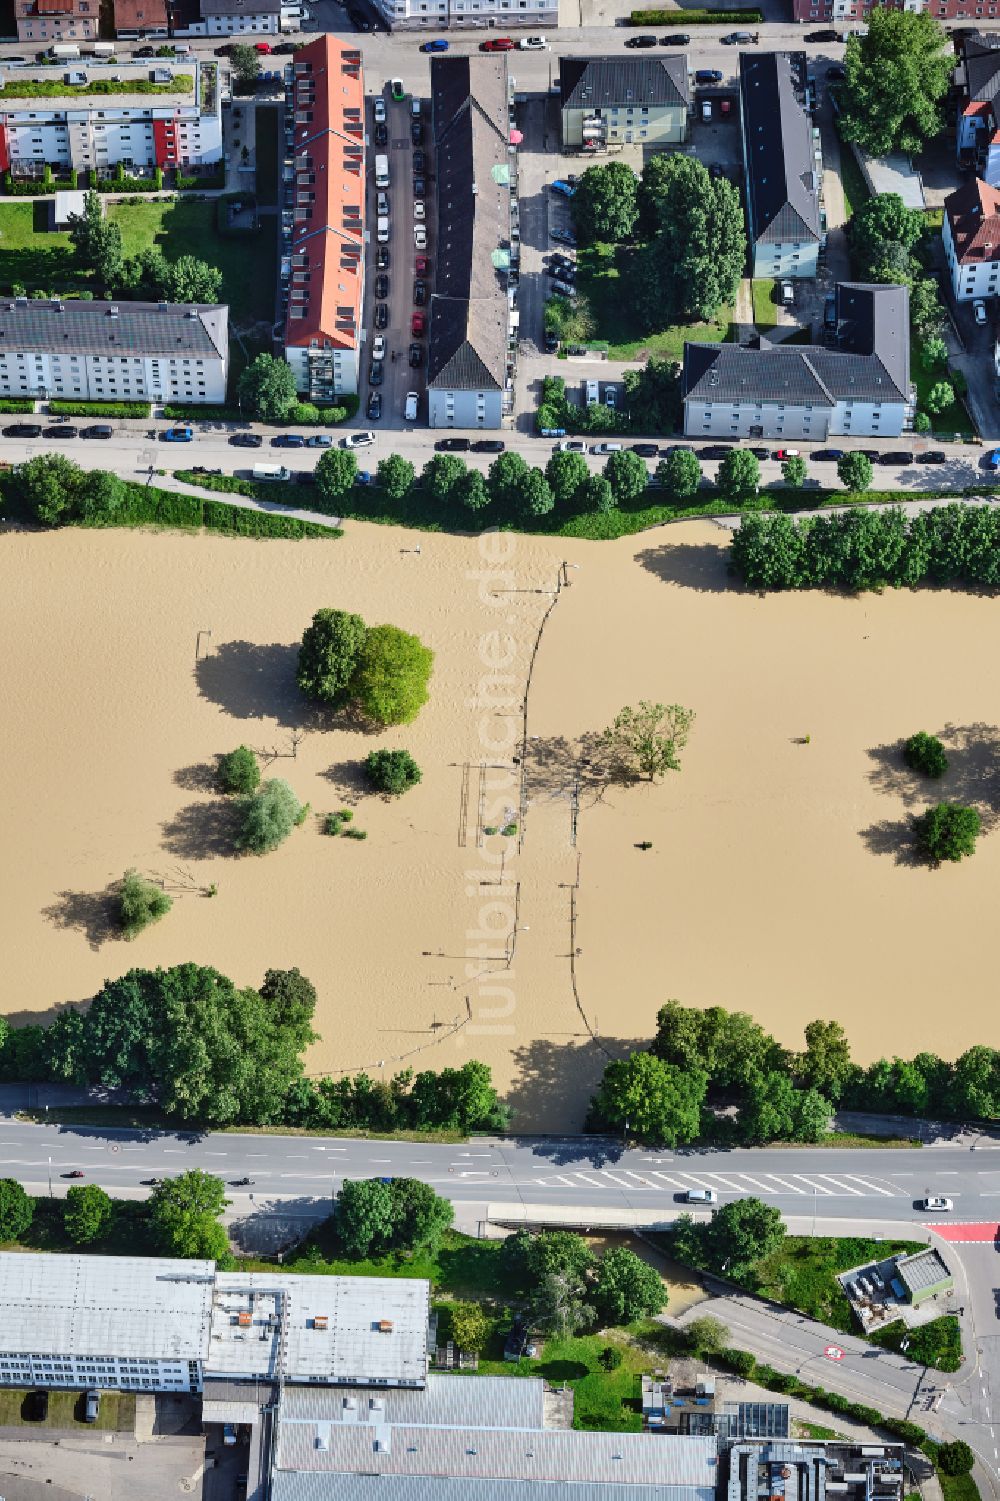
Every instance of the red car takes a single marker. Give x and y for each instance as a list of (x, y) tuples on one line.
[(418, 325), (262, 46), (422, 264), (498, 44)]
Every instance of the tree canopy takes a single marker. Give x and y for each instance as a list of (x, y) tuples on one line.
[(17, 1210), (605, 205), (948, 831), (697, 248), (627, 1288), (87, 1214), (184, 1214), (267, 389), (403, 1214), (268, 817), (646, 740), (329, 655), (898, 75), (390, 682), (651, 1100)]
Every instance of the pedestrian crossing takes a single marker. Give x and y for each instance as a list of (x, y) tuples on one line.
[(786, 1185)]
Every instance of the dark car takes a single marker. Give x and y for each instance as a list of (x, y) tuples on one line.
[(200, 469), (645, 450), (145, 52), (381, 133), (641, 41), (827, 455), (452, 445), (417, 132), (246, 440), (374, 407), (871, 454), (382, 258), (419, 187), (933, 456), (551, 343), (708, 75), (821, 36), (836, 74), (92, 1407), (376, 371), (416, 356), (675, 39), (288, 440), (714, 451), (23, 430), (381, 287), (759, 453), (489, 445), (419, 293), (897, 456), (381, 315), (419, 162), (98, 430), (61, 430), (36, 1406)]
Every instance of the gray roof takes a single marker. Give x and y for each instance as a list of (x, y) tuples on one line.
[(446, 1402), (468, 312), (606, 82), (782, 187), (982, 67), (240, 7), (923, 1269), (871, 362), (296, 1486), (118, 328)]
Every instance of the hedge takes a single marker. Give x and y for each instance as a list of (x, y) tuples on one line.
[(694, 17), (99, 408), (330, 416), (148, 506), (33, 187), (12, 404), (209, 180)]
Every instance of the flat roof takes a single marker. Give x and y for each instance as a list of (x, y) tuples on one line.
[(923, 1269)]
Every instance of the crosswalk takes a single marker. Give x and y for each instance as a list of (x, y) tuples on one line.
[(805, 1185)]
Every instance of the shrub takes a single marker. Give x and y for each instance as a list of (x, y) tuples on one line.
[(17, 1210), (355, 833), (740, 1362), (925, 753), (122, 409), (947, 832), (610, 1358), (391, 771), (239, 772), (141, 902), (88, 1213), (269, 816), (333, 823), (955, 1458), (329, 655)]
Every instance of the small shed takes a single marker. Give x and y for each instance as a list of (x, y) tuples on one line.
[(924, 1274), (66, 204)]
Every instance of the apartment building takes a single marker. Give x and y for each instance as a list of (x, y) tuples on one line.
[(326, 288), (100, 351), (627, 99), (234, 17), (977, 86), (855, 12), (468, 360), (782, 164), (507, 15), (858, 386), (48, 21), (141, 20), (971, 236), (180, 127)]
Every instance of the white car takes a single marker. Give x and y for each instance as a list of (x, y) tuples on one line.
[(359, 440), (787, 293), (382, 229), (979, 310), (419, 237), (533, 44), (571, 445), (418, 209), (379, 110), (378, 347), (609, 398), (701, 1196), (937, 1205)]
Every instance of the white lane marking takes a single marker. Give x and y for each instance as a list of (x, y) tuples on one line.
[(216, 1154), (842, 1187), (672, 1181), (817, 1186), (792, 1187), (594, 1182), (642, 1182), (174, 1151), (619, 1181), (727, 1183), (757, 1183), (873, 1186), (699, 1181)]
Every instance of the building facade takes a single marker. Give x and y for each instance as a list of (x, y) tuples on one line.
[(971, 236), (48, 21), (469, 359), (855, 12), (100, 351), (140, 20), (327, 270), (234, 17), (782, 164), (508, 15), (859, 386), (624, 99)]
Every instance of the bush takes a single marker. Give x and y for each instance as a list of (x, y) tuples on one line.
[(740, 1362), (122, 409), (12, 404), (239, 772), (610, 1358), (925, 753), (269, 816), (955, 1458), (391, 771), (141, 903), (17, 1210), (88, 1213), (947, 832)]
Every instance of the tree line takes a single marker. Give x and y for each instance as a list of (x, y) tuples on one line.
[(99, 249), (860, 549), (718, 1075)]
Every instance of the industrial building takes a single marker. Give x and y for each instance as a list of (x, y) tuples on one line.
[(804, 1471), (631, 100), (782, 161)]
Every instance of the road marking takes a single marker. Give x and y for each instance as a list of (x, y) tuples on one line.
[(817, 1186), (619, 1181), (642, 1182), (873, 1186), (700, 1181), (758, 1184), (672, 1181), (594, 1182), (735, 1187), (174, 1151), (786, 1184), (842, 1186)]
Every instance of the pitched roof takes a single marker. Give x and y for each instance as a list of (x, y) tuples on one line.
[(139, 15), (468, 313), (981, 53), (871, 361), (240, 7), (127, 328), (329, 205), (973, 212), (603, 82), (782, 185)]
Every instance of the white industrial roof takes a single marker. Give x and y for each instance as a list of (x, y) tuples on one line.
[(447, 1402), (104, 1305)]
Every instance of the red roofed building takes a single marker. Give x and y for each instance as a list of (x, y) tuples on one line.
[(140, 18), (971, 234), (50, 21), (854, 12), (323, 328)]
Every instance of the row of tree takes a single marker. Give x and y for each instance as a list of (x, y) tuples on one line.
[(99, 249), (950, 545), (381, 671), (452, 1099)]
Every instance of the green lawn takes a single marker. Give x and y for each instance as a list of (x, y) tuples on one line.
[(855, 188), (600, 279), (954, 418), (765, 310), (32, 256), (606, 1400), (66, 1409), (801, 1273)]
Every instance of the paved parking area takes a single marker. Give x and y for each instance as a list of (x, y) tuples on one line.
[(108, 1465)]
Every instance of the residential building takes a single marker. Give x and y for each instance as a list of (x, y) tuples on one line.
[(140, 20), (435, 15), (48, 21), (468, 361), (327, 270), (851, 1471), (234, 17), (977, 125), (152, 1324), (180, 127), (113, 351), (853, 13), (971, 235), (859, 386), (624, 98), (782, 165)]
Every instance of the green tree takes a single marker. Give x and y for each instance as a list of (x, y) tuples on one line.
[(595, 495), (935, 351), (48, 487), (419, 1215), (955, 1457), (610, 1358), (17, 1210), (336, 473), (741, 1234), (268, 817), (88, 1213), (329, 655), (826, 1063), (391, 771), (566, 472), (470, 1326), (940, 396), (653, 396), (947, 832), (739, 476), (605, 205), (627, 1288), (706, 1336), (651, 1100), (267, 389), (244, 61), (974, 1089), (290, 1001), (927, 317), (884, 229), (925, 753), (646, 741), (390, 682), (141, 902), (855, 471), (694, 260), (793, 472), (776, 1111), (239, 772), (897, 77), (395, 475), (680, 473), (97, 242), (626, 473), (535, 497), (441, 474), (505, 482), (459, 1099), (559, 1307), (729, 1047), (364, 1216), (192, 280), (184, 1215), (101, 497), (471, 491)]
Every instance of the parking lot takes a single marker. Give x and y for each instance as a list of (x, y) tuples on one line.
[(111, 1466)]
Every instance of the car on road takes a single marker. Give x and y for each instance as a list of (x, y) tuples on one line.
[(489, 445), (98, 430), (551, 344), (76, 1172), (758, 453), (180, 434), (415, 357), (141, 52), (23, 430), (381, 287), (563, 288), (498, 44), (36, 1406), (562, 186), (92, 1407), (419, 187), (418, 324), (571, 445), (836, 74), (675, 39), (739, 38), (418, 162), (246, 440), (933, 456), (381, 315), (416, 132), (421, 265), (396, 89), (382, 229), (820, 36), (787, 293), (452, 445), (605, 448), (979, 310), (201, 469), (437, 45), (897, 456), (992, 459), (381, 133), (610, 399), (419, 293), (827, 455), (714, 451), (382, 258), (783, 453), (378, 347), (641, 41), (645, 450), (419, 210), (288, 440), (419, 237), (319, 440), (936, 1204), (871, 454), (533, 44), (373, 411), (701, 1196), (359, 440), (707, 75), (61, 430), (376, 372), (706, 109), (564, 237), (263, 48)]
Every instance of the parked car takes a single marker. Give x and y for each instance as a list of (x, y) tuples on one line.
[(706, 109), (821, 36), (787, 293), (373, 410), (376, 372), (562, 186), (201, 469), (564, 236), (381, 287), (415, 356), (498, 44), (382, 258), (380, 111), (836, 74), (452, 445), (378, 347), (830, 311), (416, 131), (605, 448), (381, 315), (707, 75), (419, 161), (98, 430), (936, 1204), (739, 38), (571, 445), (489, 445), (179, 434), (871, 454), (781, 454), (645, 450), (142, 52), (419, 237), (437, 45), (609, 398), (725, 108), (319, 440), (992, 459), (358, 440), (36, 1406), (641, 41), (563, 288), (381, 133), (933, 456), (262, 47), (92, 1406), (396, 89), (418, 324), (421, 265), (419, 187), (897, 456), (419, 210), (533, 44), (551, 344), (419, 293), (518, 1345), (675, 39), (61, 430), (288, 440), (758, 453), (23, 430), (827, 455), (714, 451), (246, 440), (979, 310)]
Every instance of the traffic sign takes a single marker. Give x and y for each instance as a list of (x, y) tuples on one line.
[(833, 1352)]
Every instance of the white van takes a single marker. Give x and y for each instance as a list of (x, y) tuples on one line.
[(103, 49), (591, 391), (382, 205), (382, 229), (603, 448), (64, 50), (381, 171), (271, 471), (410, 406)]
